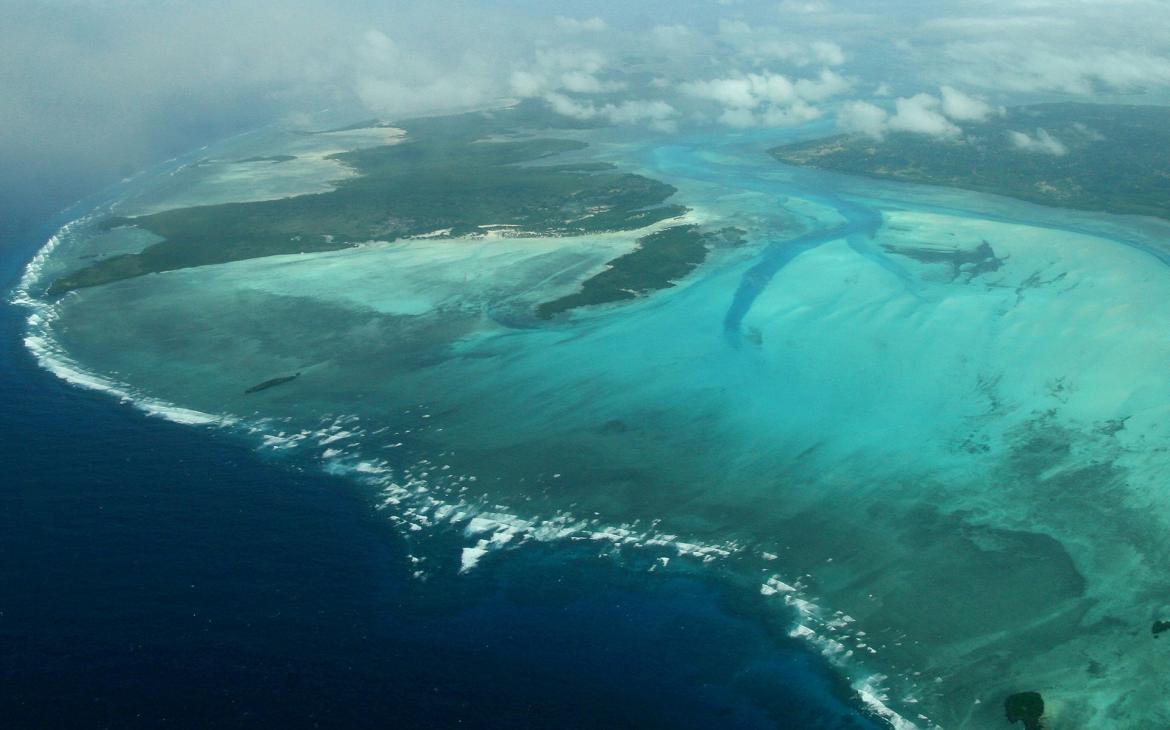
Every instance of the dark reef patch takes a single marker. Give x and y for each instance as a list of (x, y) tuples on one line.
[(272, 383), (967, 263), (1026, 707)]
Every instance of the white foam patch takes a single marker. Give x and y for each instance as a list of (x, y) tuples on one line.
[(51, 356), (471, 555), (870, 692), (811, 627)]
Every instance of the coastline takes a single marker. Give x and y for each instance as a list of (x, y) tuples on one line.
[(481, 530), (503, 530)]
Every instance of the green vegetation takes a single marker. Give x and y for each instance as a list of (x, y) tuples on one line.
[(1115, 158), (457, 173), (661, 259)]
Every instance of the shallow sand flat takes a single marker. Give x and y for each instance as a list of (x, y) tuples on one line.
[(860, 438), (970, 470), (233, 176), (382, 308), (999, 402)]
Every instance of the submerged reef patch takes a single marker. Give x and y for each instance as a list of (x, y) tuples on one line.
[(1025, 707)]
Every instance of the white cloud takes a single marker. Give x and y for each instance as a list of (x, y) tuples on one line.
[(1041, 143), (589, 60), (919, 114), (93, 91), (752, 90), (1088, 133), (574, 25), (580, 82), (963, 108), (828, 53), (735, 93), (826, 85), (790, 115), (570, 107), (803, 7), (654, 113), (527, 83), (996, 25), (861, 117), (741, 118), (673, 37), (574, 70), (770, 116), (766, 99), (1034, 67), (112, 85), (636, 111), (768, 43), (393, 80)]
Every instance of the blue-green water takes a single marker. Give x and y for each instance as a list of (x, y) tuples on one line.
[(155, 575), (949, 483)]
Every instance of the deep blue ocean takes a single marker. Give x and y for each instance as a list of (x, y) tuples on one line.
[(159, 576)]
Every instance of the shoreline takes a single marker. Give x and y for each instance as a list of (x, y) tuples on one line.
[(500, 530)]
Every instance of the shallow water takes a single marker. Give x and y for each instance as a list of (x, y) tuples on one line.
[(956, 480), (159, 575)]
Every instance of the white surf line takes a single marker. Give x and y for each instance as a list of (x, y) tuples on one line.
[(51, 356), (812, 628), (415, 504), (427, 495)]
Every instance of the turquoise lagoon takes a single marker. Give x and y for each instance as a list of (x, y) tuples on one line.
[(950, 480)]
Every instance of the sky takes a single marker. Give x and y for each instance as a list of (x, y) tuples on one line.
[(94, 90)]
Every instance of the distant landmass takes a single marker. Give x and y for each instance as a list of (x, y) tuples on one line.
[(1113, 158)]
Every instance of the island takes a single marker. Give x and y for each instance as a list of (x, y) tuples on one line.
[(1101, 157), (661, 259), (450, 177)]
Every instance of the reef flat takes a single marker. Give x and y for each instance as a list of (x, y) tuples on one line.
[(920, 428), (1105, 157)]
